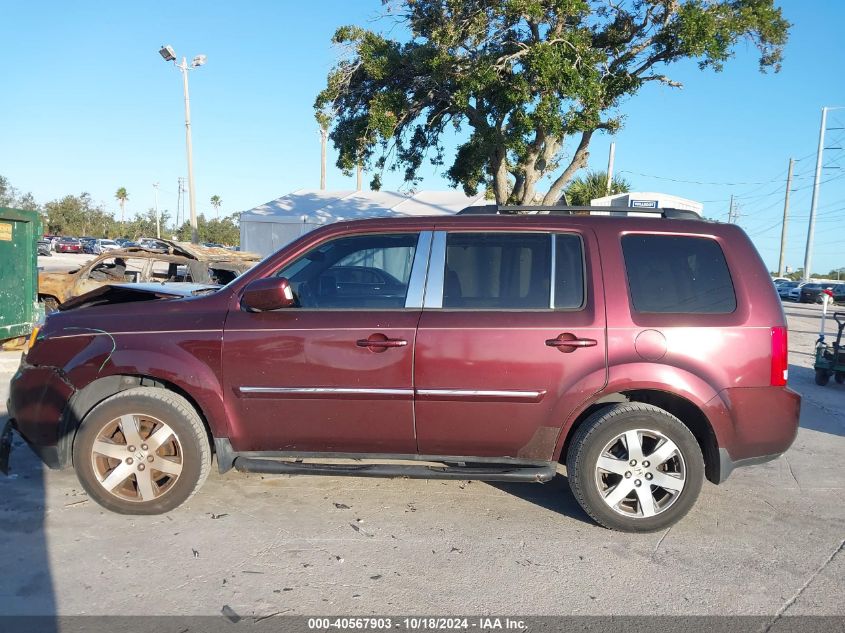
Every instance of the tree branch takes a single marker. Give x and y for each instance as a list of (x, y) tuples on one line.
[(579, 160)]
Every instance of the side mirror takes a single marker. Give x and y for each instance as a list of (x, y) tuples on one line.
[(272, 293)]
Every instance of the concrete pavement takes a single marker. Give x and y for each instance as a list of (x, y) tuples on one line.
[(767, 542)]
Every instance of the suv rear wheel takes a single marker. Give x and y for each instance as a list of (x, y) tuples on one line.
[(635, 467), (142, 451)]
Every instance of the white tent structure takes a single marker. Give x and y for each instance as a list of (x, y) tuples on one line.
[(270, 226), (646, 200)]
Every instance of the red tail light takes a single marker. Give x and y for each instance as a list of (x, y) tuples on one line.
[(780, 360)]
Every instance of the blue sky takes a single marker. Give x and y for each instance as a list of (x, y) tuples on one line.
[(90, 106)]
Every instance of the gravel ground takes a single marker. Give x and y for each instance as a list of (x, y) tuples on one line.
[(768, 542)]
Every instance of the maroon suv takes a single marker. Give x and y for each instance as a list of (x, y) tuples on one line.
[(644, 353)]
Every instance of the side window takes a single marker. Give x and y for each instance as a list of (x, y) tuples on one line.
[(676, 274), (118, 269), (360, 272), (489, 271), (569, 272)]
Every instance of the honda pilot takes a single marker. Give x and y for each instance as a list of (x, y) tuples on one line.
[(643, 354)]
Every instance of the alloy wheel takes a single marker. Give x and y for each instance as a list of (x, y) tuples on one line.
[(640, 473), (137, 457)]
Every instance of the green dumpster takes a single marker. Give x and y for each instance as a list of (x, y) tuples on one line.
[(19, 309)]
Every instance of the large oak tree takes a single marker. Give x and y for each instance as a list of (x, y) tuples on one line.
[(530, 81)]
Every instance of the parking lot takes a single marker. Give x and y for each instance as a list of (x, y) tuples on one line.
[(768, 542), (63, 261)]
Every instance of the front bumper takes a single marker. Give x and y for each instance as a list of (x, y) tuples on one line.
[(38, 400)]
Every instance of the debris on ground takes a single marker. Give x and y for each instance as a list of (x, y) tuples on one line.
[(358, 529), (229, 613), (341, 506)]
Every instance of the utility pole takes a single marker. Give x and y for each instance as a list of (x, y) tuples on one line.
[(731, 211), (359, 177), (610, 160), (785, 218), (324, 136), (158, 221), (808, 253)]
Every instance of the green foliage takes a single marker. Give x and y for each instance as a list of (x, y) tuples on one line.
[(224, 231), (533, 80), (79, 216), (144, 225), (14, 199), (8, 194), (216, 202), (593, 185)]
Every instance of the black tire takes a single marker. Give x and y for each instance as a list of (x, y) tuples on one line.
[(839, 377), (602, 427), (192, 451), (822, 377)]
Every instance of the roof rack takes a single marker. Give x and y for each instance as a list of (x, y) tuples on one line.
[(494, 209)]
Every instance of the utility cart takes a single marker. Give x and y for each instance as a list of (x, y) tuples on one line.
[(830, 359)]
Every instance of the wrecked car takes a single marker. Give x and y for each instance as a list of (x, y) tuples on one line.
[(181, 262)]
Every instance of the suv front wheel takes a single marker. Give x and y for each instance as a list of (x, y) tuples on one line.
[(635, 467), (142, 451)]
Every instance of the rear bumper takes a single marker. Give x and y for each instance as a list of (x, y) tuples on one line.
[(38, 399), (727, 465), (763, 425)]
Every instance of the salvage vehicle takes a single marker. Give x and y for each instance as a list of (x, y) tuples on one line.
[(491, 346), (174, 262), (785, 288), (45, 247), (103, 245), (68, 245)]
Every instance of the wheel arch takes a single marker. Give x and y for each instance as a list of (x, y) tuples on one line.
[(84, 401), (687, 411)]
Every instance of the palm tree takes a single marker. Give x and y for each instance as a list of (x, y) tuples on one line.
[(216, 201), (593, 185), (122, 196)]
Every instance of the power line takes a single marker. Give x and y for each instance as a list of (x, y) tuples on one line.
[(701, 182)]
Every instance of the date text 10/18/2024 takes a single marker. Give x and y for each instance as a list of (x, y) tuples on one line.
[(416, 624)]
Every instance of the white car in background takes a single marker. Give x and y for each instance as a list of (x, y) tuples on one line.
[(102, 246)]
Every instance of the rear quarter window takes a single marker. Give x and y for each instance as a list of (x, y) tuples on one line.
[(678, 274)]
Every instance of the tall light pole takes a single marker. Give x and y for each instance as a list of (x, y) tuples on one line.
[(169, 55)]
